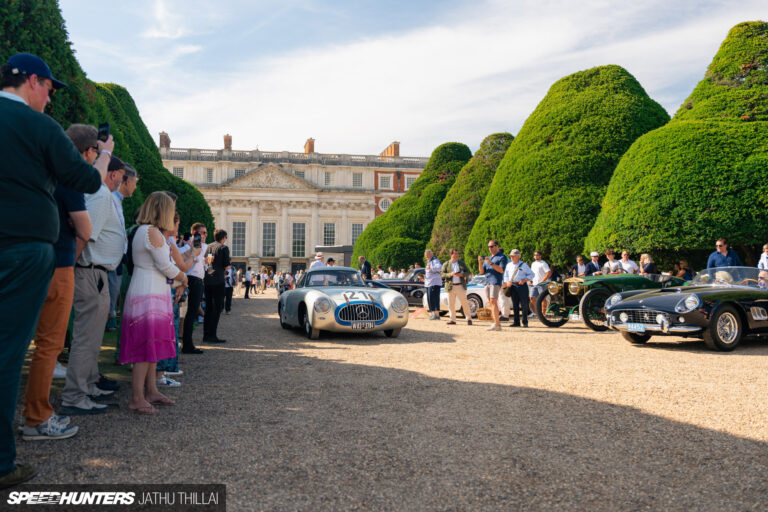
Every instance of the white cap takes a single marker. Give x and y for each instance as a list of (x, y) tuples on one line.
[(319, 256), (594, 253)]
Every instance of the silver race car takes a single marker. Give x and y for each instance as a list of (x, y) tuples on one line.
[(337, 299)]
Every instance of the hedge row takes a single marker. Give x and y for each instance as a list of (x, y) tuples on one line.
[(407, 224), (459, 209), (705, 174), (38, 27), (547, 189)]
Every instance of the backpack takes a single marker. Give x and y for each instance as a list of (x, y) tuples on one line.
[(129, 252)]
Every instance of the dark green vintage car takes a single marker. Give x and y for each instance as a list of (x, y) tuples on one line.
[(583, 298)]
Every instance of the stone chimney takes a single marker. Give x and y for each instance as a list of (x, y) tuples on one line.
[(309, 146), (392, 150), (165, 140), (228, 142)]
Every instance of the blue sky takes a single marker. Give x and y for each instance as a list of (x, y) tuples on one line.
[(356, 75)]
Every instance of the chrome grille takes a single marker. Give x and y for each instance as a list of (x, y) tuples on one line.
[(361, 312), (640, 316)]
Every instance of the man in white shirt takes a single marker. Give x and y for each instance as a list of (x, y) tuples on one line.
[(580, 268), (629, 266), (318, 261), (195, 276), (433, 280), (102, 253), (541, 274), (517, 275)]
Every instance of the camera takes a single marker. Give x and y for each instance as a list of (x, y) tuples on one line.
[(197, 241), (103, 132)]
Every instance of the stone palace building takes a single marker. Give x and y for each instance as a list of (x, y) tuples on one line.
[(278, 208)]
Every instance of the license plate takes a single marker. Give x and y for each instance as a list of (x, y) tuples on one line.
[(575, 316), (633, 327), (356, 326)]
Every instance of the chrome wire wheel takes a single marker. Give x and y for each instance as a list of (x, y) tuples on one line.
[(728, 328)]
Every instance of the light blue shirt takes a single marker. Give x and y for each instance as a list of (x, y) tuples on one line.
[(763, 265), (11, 96), (522, 269), (117, 197), (433, 271)]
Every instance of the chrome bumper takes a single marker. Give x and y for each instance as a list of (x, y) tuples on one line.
[(664, 327)]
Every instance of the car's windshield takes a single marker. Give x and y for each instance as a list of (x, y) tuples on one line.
[(732, 276), (333, 278), (417, 272), (479, 280), (658, 278)]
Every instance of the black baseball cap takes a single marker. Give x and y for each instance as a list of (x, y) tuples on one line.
[(28, 64)]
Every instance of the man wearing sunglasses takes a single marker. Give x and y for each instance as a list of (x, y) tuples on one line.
[(493, 268), (723, 256), (37, 154)]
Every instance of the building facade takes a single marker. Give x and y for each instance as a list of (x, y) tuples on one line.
[(278, 207)]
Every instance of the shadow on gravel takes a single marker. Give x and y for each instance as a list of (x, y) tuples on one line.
[(747, 347)]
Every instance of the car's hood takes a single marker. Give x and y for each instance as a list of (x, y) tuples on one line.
[(341, 295), (669, 297)]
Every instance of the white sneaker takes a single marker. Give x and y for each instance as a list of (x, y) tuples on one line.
[(169, 382), (61, 420), (176, 373), (494, 328), (59, 371), (47, 430)]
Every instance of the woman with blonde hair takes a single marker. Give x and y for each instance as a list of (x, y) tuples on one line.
[(147, 333), (647, 266)]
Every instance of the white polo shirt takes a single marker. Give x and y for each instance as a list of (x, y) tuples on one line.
[(198, 267)]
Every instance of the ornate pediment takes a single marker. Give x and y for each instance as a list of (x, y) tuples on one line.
[(269, 175)]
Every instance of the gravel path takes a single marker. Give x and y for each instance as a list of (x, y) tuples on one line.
[(442, 418)]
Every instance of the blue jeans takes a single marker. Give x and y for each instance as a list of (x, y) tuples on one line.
[(433, 298), (26, 270)]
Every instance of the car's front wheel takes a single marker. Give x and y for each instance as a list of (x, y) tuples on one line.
[(725, 329), (392, 333), (475, 303), (280, 316), (548, 311), (637, 339), (592, 308), (310, 331)]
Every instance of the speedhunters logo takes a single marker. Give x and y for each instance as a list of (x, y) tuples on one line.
[(162, 497), (70, 498)]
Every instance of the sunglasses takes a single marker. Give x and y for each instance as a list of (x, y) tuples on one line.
[(719, 245)]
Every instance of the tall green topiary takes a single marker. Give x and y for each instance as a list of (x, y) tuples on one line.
[(462, 203), (407, 223), (705, 174), (547, 190), (38, 27)]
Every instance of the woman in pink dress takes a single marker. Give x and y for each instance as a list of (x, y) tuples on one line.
[(147, 326)]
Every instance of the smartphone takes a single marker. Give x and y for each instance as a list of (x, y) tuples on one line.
[(104, 132), (197, 241)]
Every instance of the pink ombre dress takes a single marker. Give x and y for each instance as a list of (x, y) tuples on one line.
[(146, 334)]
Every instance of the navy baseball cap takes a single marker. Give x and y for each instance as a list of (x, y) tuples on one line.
[(28, 64)]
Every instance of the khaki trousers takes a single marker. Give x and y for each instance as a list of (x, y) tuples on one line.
[(49, 341), (91, 312), (460, 292)]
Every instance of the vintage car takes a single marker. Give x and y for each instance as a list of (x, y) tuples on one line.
[(721, 305), (411, 286), (337, 299), (583, 298), (477, 297)]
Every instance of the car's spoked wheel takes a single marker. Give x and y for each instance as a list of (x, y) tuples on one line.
[(592, 309), (475, 303), (310, 331), (549, 312), (280, 316), (725, 330)]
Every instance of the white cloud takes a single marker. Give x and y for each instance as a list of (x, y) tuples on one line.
[(483, 70)]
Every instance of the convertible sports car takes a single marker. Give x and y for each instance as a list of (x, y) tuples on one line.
[(337, 299), (721, 305)]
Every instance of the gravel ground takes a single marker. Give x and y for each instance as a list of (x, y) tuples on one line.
[(441, 418)]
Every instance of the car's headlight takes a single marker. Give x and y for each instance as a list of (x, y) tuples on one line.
[(322, 305), (688, 303), (400, 305), (574, 288), (553, 288), (613, 300)]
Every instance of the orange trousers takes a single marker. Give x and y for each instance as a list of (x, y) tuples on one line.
[(49, 341)]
